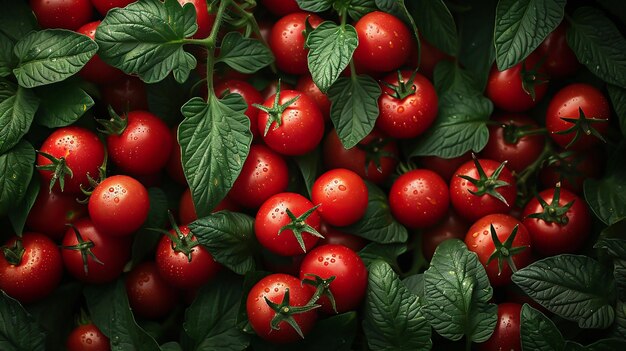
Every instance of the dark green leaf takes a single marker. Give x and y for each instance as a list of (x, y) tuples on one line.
[(16, 114), (359, 8), (576, 288), (229, 237), (615, 7), (457, 294), (18, 214), (618, 99), (17, 19), (620, 319), (521, 26), (354, 108), (50, 56), (436, 24), (145, 242), (607, 196), (109, 310), (245, 55), (607, 345), (315, 5), (378, 224), (476, 27), (62, 104), (215, 140), (393, 316), (7, 60), (616, 248), (598, 45), (448, 77), (538, 332), (211, 320), (171, 346), (146, 38), (415, 284), (16, 170), (330, 50), (398, 9), (18, 329), (310, 166), (386, 252)]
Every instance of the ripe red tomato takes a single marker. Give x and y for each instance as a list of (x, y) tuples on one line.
[(149, 295), (272, 216), (187, 210), (204, 19), (558, 230), (419, 198), (271, 88), (299, 129), (103, 6), (260, 314), (384, 42), (511, 89), (505, 144), (66, 14), (479, 240), (342, 195), (36, 273), (568, 103), (96, 70), (287, 41), (410, 108), (452, 226), (52, 211), (119, 205), (333, 236), (249, 94), (306, 85), (506, 336), (281, 7), (348, 287), (560, 60), (445, 167), (111, 252), (143, 147), (473, 202), (125, 94), (80, 150), (87, 337)]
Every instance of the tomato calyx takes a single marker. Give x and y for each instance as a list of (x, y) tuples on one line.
[(582, 125), (180, 242), (505, 251), (531, 77), (14, 253), (322, 288), (512, 133), (84, 247), (284, 313), (553, 212), (402, 89), (275, 112), (487, 184), (59, 169), (299, 226), (374, 152), (115, 125)]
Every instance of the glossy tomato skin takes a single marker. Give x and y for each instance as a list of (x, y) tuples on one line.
[(348, 287), (452, 226), (119, 205), (551, 239), (112, 251), (149, 295), (87, 337), (281, 7), (103, 6), (249, 94), (384, 42), (264, 174), (271, 88), (287, 41), (204, 19), (37, 274), (518, 154), (175, 268), (419, 198), (336, 237), (506, 336), (445, 167), (472, 207), (478, 239), (566, 104), (83, 153), (96, 70), (306, 85), (302, 126), (52, 211), (560, 61), (66, 14), (143, 147), (411, 116), (125, 94), (260, 314), (342, 195), (272, 216)]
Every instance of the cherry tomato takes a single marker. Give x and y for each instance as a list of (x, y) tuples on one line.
[(342, 195), (87, 337), (506, 336), (260, 314), (52, 211), (119, 205), (281, 7), (560, 60), (334, 236), (66, 14), (445, 167), (249, 94), (125, 94), (187, 210), (419, 198), (204, 19), (149, 295), (103, 6), (35, 273), (306, 85), (271, 88), (452, 226), (287, 41), (96, 70)]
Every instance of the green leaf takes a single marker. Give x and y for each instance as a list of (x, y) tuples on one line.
[(448, 76), (618, 99), (574, 287), (62, 104), (457, 294), (171, 346), (333, 333), (211, 320), (616, 249), (16, 114), (215, 140), (146, 38), (436, 24), (398, 9), (620, 319), (16, 170), (607, 345), (229, 237), (415, 284), (18, 214), (386, 252), (598, 45), (607, 196), (145, 241), (476, 26), (310, 166), (378, 224), (109, 310), (521, 26), (615, 8), (538, 332), (245, 55), (18, 329), (315, 5), (330, 50), (51, 56), (393, 317), (17, 19), (354, 108), (359, 8), (7, 60)]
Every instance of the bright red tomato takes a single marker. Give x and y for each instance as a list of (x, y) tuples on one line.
[(125, 94), (35, 273), (561, 62), (342, 195), (260, 314), (452, 226), (287, 41), (96, 70), (87, 337), (506, 336), (333, 236), (204, 19), (52, 211), (66, 14), (103, 6), (445, 167), (419, 198), (249, 94), (306, 85), (281, 7), (149, 295), (271, 88)]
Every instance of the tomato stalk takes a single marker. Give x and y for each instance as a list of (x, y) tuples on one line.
[(275, 112), (285, 312), (59, 169), (487, 184), (524, 176), (14, 254), (85, 249), (298, 226), (180, 242), (322, 288), (505, 251), (582, 125), (553, 212)]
